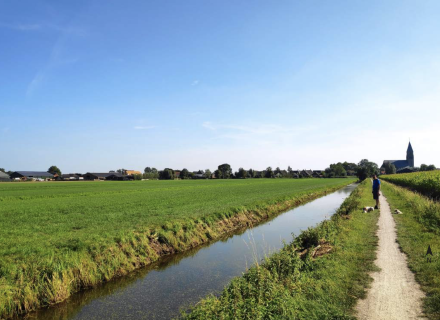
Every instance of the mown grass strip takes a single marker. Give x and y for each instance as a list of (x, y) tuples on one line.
[(417, 229), (298, 283), (63, 260)]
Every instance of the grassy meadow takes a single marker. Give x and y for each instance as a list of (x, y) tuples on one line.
[(320, 275), (417, 228), (59, 237)]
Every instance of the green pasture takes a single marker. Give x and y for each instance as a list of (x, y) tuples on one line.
[(53, 233), (39, 217)]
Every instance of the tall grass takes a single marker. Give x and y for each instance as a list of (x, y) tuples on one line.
[(304, 280), (426, 183)]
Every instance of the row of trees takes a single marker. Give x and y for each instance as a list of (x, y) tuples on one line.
[(362, 170), (391, 168), (425, 167)]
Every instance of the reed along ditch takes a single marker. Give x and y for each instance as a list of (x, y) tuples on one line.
[(175, 282)]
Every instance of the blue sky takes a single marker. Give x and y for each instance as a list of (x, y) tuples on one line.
[(100, 85)]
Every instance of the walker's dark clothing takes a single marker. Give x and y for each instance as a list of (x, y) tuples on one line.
[(376, 185)]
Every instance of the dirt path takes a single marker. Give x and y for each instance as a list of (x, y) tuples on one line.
[(394, 293)]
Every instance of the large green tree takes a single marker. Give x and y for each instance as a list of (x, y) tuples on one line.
[(366, 169), (336, 170), (207, 174), (184, 174), (269, 173), (2, 170), (424, 167), (224, 171), (166, 174), (241, 174), (389, 168), (54, 170)]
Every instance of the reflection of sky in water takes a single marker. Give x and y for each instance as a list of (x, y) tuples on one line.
[(160, 291)]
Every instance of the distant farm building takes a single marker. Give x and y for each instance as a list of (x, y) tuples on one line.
[(72, 176), (406, 170), (4, 177), (103, 176), (317, 173), (132, 172), (26, 175)]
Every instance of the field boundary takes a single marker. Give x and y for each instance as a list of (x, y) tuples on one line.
[(137, 249)]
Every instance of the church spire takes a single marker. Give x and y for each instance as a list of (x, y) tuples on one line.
[(410, 155)]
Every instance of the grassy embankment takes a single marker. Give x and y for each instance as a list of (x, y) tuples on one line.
[(303, 280), (417, 228), (57, 238)]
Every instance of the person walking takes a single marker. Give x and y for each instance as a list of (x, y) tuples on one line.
[(376, 189)]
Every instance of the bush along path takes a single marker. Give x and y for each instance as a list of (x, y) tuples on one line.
[(418, 235), (320, 275), (394, 293)]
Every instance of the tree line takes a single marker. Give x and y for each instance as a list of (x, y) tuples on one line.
[(362, 170), (391, 168)]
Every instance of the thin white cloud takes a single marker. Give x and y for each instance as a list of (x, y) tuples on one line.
[(44, 26), (25, 27), (35, 83), (56, 59), (144, 127), (208, 125), (195, 82)]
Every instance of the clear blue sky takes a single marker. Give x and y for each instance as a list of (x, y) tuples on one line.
[(100, 85)]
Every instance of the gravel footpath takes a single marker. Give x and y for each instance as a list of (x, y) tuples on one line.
[(394, 293)]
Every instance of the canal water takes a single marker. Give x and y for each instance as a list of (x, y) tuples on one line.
[(175, 282)]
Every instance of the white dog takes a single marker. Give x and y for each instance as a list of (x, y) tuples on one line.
[(367, 209)]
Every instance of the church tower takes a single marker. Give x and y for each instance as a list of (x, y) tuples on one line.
[(410, 155)]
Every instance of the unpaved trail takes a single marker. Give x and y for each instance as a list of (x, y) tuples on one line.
[(394, 293)]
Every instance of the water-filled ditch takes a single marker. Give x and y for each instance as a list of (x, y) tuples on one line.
[(160, 290)]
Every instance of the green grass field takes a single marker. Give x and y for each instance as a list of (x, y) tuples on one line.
[(57, 238)]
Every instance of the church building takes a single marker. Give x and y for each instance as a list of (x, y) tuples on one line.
[(402, 164)]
